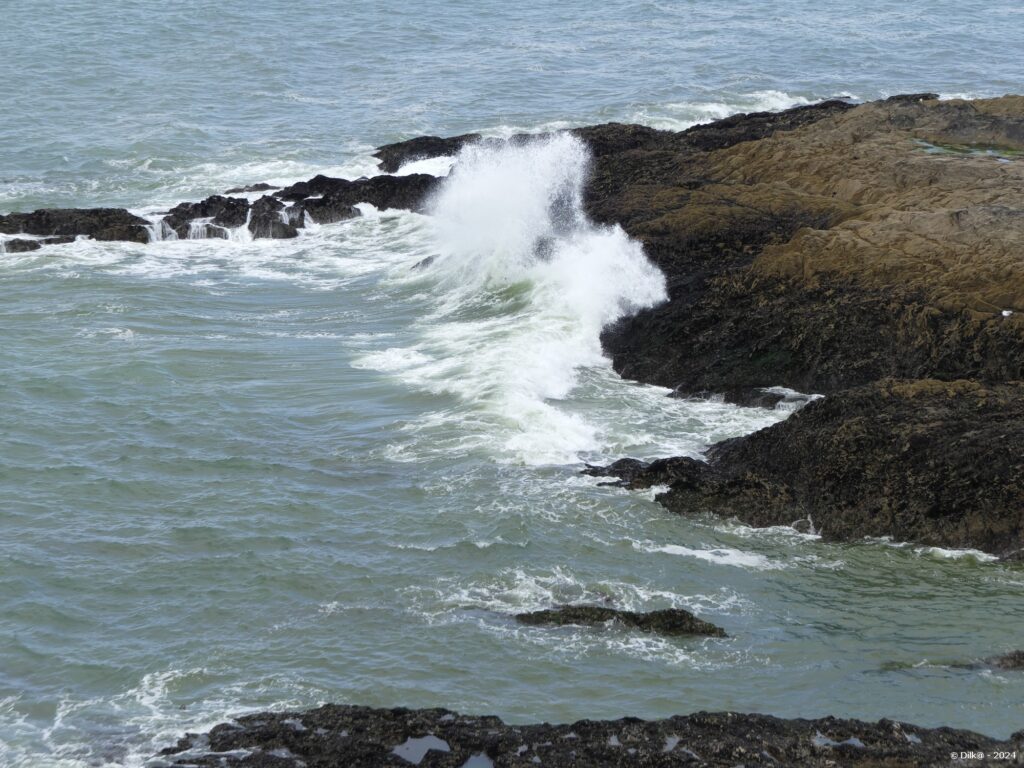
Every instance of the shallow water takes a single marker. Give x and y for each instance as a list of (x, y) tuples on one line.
[(241, 475)]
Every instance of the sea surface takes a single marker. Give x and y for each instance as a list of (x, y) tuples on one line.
[(240, 475)]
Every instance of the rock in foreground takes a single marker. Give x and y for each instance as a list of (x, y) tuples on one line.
[(671, 621), (362, 737)]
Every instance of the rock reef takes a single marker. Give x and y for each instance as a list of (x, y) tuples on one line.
[(320, 200), (670, 621), (352, 736), (871, 253)]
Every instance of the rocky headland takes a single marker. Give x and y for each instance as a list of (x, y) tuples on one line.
[(871, 253)]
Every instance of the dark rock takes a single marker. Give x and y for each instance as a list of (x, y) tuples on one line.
[(266, 220), (939, 463), (223, 212), (338, 195), (671, 621), (1013, 660), (327, 209), (97, 223), (793, 245), (394, 156), (362, 737), (19, 245), (259, 187), (912, 97), (638, 474)]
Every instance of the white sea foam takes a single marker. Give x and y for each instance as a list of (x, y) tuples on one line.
[(677, 116), (523, 285), (716, 555)]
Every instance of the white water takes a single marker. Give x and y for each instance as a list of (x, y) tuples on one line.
[(524, 284)]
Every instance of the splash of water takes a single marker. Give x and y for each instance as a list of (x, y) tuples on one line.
[(525, 283)]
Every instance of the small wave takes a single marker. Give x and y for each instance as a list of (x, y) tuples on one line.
[(717, 555)]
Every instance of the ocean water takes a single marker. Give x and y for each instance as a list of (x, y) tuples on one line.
[(244, 475)]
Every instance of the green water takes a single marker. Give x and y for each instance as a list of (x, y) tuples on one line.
[(246, 475)]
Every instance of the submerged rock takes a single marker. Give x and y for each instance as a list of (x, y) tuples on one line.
[(24, 245), (671, 621), (97, 223), (1013, 661), (335, 735)]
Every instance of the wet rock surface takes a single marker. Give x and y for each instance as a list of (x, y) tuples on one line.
[(838, 250), (320, 200), (394, 156), (671, 621), (935, 462), (361, 736), (265, 220), (97, 223), (1012, 661), (410, 192)]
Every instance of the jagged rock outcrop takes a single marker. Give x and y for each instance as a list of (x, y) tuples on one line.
[(670, 621), (409, 192), (939, 463), (829, 253), (830, 249), (266, 220), (394, 156), (363, 737), (97, 223), (322, 199), (222, 212)]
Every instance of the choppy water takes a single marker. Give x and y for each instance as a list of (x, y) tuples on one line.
[(246, 475)]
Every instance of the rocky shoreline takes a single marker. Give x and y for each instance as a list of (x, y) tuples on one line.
[(335, 735), (868, 253)]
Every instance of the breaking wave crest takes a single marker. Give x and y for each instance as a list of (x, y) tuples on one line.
[(522, 284)]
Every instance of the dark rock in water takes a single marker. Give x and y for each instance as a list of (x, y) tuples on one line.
[(266, 220), (671, 621), (327, 209), (394, 156), (363, 737), (424, 263), (97, 223), (19, 245), (911, 97), (636, 474), (223, 212), (409, 192), (822, 250), (939, 463), (259, 187), (1013, 660)]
